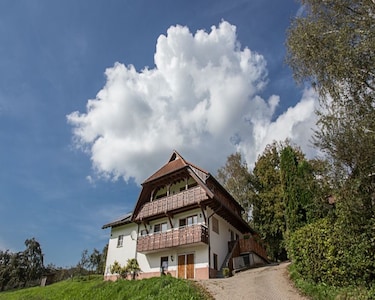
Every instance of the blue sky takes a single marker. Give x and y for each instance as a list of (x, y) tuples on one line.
[(215, 84)]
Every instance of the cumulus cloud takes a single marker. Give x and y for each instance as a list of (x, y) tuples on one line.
[(201, 98)]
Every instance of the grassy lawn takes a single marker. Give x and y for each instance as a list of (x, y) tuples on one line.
[(95, 288)]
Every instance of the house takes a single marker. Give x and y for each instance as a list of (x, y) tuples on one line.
[(184, 224)]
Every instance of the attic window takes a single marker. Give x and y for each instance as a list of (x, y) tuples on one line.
[(174, 157)]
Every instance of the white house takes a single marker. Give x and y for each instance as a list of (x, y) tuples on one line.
[(184, 224)]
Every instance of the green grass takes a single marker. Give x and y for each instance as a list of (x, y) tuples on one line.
[(325, 292), (95, 288)]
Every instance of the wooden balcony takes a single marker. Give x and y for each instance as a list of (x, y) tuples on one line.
[(173, 238), (251, 245), (170, 203)]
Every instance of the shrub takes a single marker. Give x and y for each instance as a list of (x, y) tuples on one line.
[(325, 252), (226, 272)]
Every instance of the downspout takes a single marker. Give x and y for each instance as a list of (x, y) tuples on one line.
[(209, 237), (136, 241)]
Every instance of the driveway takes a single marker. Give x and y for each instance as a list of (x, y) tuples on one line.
[(265, 283)]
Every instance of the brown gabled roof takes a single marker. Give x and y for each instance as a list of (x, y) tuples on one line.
[(175, 162)]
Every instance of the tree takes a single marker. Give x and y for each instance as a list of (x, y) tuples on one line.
[(33, 260), (269, 205), (5, 270), (95, 260), (236, 179), (289, 192), (294, 211), (332, 46), (132, 267), (84, 263), (21, 269), (101, 267)]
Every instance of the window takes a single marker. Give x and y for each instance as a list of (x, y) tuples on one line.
[(120, 240), (215, 225), (215, 261), (160, 227), (143, 232), (189, 221)]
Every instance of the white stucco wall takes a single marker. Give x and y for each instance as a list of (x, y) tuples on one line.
[(151, 262), (219, 242), (128, 249)]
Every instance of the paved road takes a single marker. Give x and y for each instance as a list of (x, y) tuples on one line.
[(265, 283)]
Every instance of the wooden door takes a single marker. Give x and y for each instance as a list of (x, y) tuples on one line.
[(190, 266), (181, 266), (185, 266)]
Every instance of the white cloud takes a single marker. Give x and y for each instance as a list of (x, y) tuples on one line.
[(200, 99)]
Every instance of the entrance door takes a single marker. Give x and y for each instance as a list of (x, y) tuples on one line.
[(190, 266), (181, 266), (186, 266)]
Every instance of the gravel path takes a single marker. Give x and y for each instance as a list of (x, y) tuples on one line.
[(265, 283)]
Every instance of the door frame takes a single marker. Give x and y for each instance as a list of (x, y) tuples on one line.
[(185, 264)]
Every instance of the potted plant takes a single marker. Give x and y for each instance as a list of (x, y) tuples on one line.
[(226, 272)]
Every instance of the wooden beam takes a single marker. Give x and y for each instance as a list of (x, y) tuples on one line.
[(145, 224), (170, 219), (202, 207)]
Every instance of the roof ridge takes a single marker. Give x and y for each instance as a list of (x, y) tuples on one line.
[(174, 156)]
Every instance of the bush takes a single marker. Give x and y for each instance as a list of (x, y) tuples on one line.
[(226, 272), (325, 252)]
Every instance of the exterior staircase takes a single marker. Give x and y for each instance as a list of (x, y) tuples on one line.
[(233, 248), (236, 252)]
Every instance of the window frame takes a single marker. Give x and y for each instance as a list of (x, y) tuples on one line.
[(120, 241), (215, 225), (215, 258), (185, 221), (162, 227)]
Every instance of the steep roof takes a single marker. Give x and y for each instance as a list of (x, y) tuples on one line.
[(176, 162)]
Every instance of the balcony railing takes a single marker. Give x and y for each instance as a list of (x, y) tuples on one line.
[(173, 238), (169, 203), (251, 245)]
